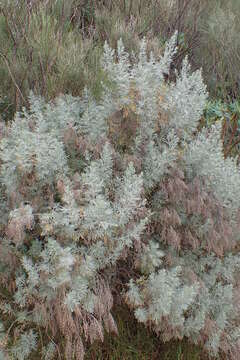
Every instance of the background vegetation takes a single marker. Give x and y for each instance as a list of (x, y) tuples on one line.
[(54, 47)]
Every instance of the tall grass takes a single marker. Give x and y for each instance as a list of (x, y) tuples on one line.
[(41, 50), (54, 46), (219, 53)]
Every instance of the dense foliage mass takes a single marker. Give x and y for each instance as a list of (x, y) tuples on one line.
[(124, 194)]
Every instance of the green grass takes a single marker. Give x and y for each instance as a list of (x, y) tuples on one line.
[(135, 342)]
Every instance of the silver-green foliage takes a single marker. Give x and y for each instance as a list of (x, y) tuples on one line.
[(67, 228)]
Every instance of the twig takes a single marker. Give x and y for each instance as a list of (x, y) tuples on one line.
[(59, 354), (40, 336), (42, 70), (231, 143), (12, 77)]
